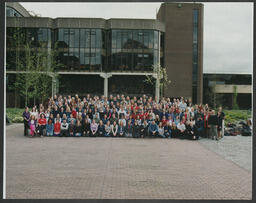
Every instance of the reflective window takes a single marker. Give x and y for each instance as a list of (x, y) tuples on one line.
[(11, 12), (133, 50), (82, 48)]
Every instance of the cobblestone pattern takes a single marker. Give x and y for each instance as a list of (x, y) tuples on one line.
[(119, 168), (234, 148)]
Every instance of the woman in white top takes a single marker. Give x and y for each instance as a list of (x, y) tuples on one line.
[(34, 112), (161, 130)]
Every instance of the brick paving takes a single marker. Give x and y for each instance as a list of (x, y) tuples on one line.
[(119, 168)]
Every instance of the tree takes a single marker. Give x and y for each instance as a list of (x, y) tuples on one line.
[(35, 66), (160, 73)]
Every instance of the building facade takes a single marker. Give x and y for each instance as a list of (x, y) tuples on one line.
[(113, 56), (220, 89)]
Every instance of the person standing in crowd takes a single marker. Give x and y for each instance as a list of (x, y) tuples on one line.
[(219, 126), (206, 124), (64, 128), (222, 118), (32, 125), (199, 126), (26, 116), (213, 123)]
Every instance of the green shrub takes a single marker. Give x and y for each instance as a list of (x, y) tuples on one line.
[(14, 114), (236, 115), (17, 120)]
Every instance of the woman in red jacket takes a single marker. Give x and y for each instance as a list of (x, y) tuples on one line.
[(57, 128), (42, 125)]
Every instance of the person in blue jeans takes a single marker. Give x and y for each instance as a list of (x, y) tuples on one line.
[(153, 129), (49, 128)]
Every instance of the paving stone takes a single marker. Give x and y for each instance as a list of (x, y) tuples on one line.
[(121, 168)]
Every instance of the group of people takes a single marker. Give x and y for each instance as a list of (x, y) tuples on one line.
[(123, 116)]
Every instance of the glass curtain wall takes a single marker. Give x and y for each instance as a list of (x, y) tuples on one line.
[(16, 38), (133, 50), (81, 49)]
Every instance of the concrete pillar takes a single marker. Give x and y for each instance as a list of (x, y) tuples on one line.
[(55, 85), (157, 92), (105, 76), (106, 87)]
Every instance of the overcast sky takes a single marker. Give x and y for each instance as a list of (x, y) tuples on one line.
[(228, 27)]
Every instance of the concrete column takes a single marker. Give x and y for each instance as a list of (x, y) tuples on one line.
[(106, 87), (105, 76), (53, 86), (157, 84), (157, 93)]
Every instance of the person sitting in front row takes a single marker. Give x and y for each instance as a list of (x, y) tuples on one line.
[(128, 129), (101, 129), (121, 129), (144, 129), (114, 128), (107, 129), (57, 128), (94, 128), (168, 130), (64, 128), (153, 129), (161, 130), (71, 128), (49, 128), (181, 127), (175, 131), (136, 130), (78, 129)]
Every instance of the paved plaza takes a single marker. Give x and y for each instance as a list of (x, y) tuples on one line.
[(125, 168)]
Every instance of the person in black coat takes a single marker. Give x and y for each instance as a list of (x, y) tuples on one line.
[(136, 130), (199, 127), (78, 129), (213, 123), (190, 131), (86, 128), (101, 129), (144, 129), (71, 128), (175, 131)]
